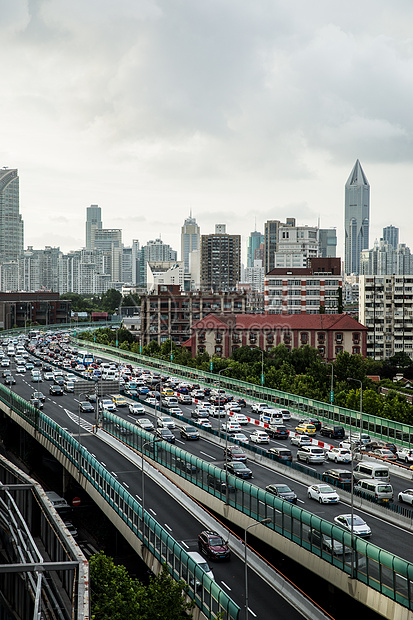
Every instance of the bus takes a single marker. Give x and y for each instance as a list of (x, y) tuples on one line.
[(85, 357)]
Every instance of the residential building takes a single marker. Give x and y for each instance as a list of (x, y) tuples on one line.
[(327, 238), (109, 240), (11, 223), (391, 236), (167, 312), (254, 243), (306, 290), (190, 240), (356, 218), (164, 272), (127, 265), (386, 308), (386, 259), (220, 260), (296, 245), (254, 276), (93, 222), (271, 237), (39, 269), (9, 276), (219, 334)]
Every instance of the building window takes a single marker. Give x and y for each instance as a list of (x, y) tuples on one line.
[(218, 350), (304, 337), (356, 337), (339, 337), (322, 351), (270, 338), (356, 350), (321, 337), (287, 338), (253, 337), (339, 350)]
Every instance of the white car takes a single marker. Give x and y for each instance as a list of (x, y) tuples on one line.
[(360, 527), (234, 407), (339, 455), (231, 427), (136, 408), (165, 422), (323, 493), (176, 411), (204, 422), (240, 437), (259, 437), (151, 401), (260, 407), (406, 496), (239, 417), (301, 440), (145, 423), (107, 404), (405, 454)]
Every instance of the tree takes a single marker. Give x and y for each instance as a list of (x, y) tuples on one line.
[(116, 595), (111, 300)]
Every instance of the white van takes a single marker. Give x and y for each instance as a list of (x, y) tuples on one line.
[(198, 559), (367, 469), (272, 416)]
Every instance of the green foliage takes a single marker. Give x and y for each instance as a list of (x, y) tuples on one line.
[(116, 595)]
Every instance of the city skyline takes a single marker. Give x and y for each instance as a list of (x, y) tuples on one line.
[(253, 112)]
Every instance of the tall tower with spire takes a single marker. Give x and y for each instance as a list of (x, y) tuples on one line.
[(356, 218), (190, 239)]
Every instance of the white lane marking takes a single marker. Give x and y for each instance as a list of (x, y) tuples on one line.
[(115, 474), (208, 455), (139, 497), (225, 585), (167, 527), (184, 544), (104, 464), (125, 485), (252, 613), (152, 511), (179, 441)]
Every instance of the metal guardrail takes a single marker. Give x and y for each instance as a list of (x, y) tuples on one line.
[(206, 593)]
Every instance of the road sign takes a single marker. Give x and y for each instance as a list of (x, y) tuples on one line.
[(331, 396), (211, 366), (76, 501), (85, 387), (262, 379)]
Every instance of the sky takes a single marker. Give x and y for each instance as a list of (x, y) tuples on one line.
[(236, 111)]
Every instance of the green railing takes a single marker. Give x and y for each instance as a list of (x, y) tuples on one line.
[(364, 561), (206, 593)]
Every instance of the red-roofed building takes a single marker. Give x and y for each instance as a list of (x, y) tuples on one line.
[(220, 334)]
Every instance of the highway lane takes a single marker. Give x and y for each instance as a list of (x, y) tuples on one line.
[(182, 526)]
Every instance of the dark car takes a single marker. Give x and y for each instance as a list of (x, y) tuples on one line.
[(239, 469), (166, 434), (375, 444), (283, 455), (86, 407), (213, 546), (39, 395), (218, 485), (91, 397), (241, 402), (335, 432), (9, 380), (338, 477), (189, 432), (235, 453), (283, 491), (56, 390), (278, 431), (315, 421)]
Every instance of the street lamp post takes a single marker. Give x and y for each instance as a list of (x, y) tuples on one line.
[(262, 522), (352, 478), (262, 368), (226, 433), (78, 428), (146, 443), (331, 382)]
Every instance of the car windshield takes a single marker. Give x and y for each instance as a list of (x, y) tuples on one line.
[(216, 541), (190, 429), (385, 488), (283, 488), (357, 520), (325, 489), (238, 465)]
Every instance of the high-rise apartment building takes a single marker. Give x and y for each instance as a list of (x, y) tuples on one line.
[(154, 251), (356, 218), (327, 238), (384, 259), (220, 260), (11, 223), (109, 240), (190, 240), (254, 243), (296, 245), (271, 238), (391, 236), (93, 222)]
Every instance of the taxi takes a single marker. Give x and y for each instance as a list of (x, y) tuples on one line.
[(167, 392), (305, 428)]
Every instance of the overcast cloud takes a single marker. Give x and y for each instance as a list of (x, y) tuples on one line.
[(239, 111)]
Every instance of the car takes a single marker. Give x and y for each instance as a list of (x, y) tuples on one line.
[(9, 380), (259, 437), (151, 401), (56, 390), (119, 401), (199, 412), (240, 418), (71, 528), (167, 392), (184, 399), (385, 454), (176, 411), (405, 454), (204, 422), (145, 423), (235, 453), (360, 527), (335, 432), (260, 407), (36, 403), (283, 491), (189, 432), (218, 485), (339, 455), (326, 543), (278, 431), (323, 493), (86, 407), (239, 469), (136, 408), (6, 373), (48, 376), (241, 402), (282, 455), (21, 369), (232, 408), (406, 496), (69, 386), (218, 411), (36, 377), (378, 443), (340, 477), (213, 546), (165, 422), (231, 427), (108, 404), (39, 395), (5, 363), (301, 440), (305, 429), (92, 398), (166, 434), (314, 421), (240, 437)]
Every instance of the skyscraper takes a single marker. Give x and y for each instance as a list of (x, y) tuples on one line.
[(356, 218), (254, 241), (93, 222), (11, 223), (220, 260), (190, 240), (391, 235)]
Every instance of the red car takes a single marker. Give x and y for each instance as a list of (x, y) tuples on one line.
[(213, 546)]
